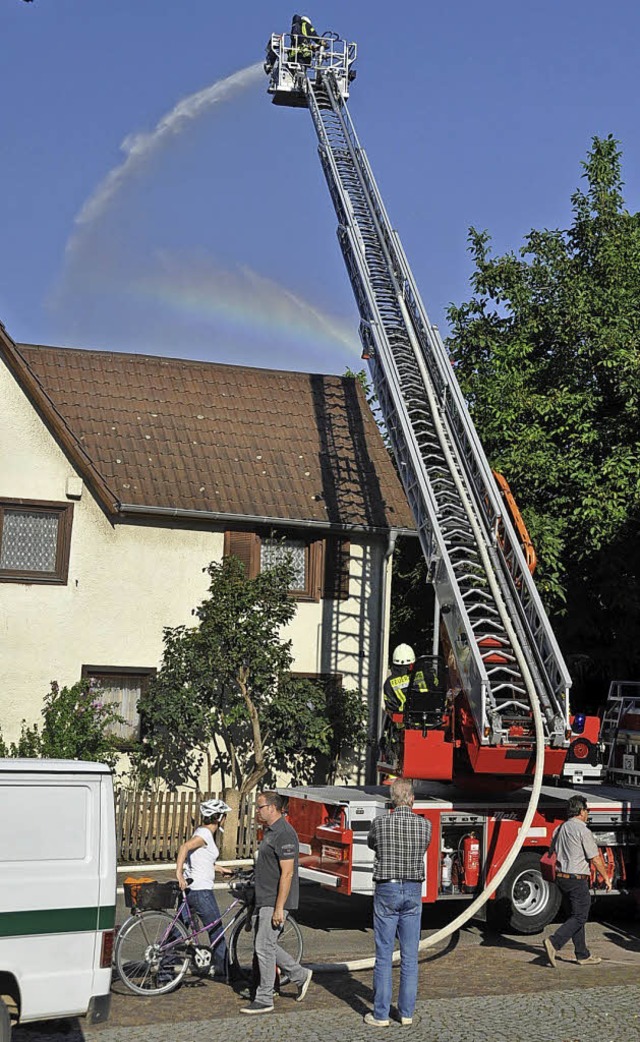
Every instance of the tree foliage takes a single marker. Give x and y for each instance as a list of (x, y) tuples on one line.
[(76, 725), (227, 682), (547, 353)]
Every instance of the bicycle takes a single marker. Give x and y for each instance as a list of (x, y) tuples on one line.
[(155, 948)]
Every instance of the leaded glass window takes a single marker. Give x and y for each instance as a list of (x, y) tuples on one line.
[(277, 551), (29, 540), (35, 539)]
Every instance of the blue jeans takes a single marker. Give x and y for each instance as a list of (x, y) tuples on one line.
[(204, 903), (397, 911), (575, 893)]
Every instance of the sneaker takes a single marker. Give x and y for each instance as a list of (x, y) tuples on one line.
[(257, 1007), (304, 987), (591, 960), (373, 1023), (249, 993), (406, 1021), (551, 952)]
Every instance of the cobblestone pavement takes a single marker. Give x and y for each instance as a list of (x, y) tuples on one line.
[(479, 987), (608, 1014)]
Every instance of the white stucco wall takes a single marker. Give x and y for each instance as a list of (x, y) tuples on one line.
[(127, 581)]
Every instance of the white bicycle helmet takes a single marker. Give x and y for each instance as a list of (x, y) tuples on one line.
[(403, 655), (214, 808)]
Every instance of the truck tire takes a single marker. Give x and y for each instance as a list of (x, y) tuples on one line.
[(5, 1023), (525, 902)]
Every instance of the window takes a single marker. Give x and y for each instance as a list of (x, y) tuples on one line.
[(122, 686), (277, 551), (321, 566), (35, 538)]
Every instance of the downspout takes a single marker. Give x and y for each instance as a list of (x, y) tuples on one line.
[(383, 648)]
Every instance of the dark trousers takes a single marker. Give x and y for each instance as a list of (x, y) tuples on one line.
[(576, 896)]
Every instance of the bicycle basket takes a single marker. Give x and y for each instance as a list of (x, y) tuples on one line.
[(156, 896), (131, 888)]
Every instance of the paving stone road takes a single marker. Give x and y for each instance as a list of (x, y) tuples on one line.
[(479, 987)]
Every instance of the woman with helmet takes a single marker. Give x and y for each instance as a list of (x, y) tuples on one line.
[(196, 869)]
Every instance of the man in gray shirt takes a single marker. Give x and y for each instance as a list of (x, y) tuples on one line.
[(576, 850), (276, 880)]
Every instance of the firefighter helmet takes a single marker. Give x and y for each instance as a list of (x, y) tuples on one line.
[(403, 655)]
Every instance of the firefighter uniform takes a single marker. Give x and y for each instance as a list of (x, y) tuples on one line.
[(305, 40)]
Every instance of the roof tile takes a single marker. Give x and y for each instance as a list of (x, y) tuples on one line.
[(191, 435)]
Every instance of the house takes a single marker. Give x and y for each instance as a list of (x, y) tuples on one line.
[(123, 476)]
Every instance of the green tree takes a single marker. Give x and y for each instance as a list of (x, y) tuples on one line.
[(227, 683), (76, 725), (547, 353)]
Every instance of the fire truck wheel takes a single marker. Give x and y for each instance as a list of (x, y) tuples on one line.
[(525, 902)]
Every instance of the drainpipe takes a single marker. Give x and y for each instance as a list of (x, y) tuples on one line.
[(383, 649)]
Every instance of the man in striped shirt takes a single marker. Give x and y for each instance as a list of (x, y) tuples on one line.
[(399, 840)]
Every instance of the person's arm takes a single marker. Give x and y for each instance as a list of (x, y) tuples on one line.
[(284, 886), (223, 871), (183, 854), (373, 836), (601, 868)]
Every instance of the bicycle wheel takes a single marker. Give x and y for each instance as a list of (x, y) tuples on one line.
[(143, 958), (241, 942)]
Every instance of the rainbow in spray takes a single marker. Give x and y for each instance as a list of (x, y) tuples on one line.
[(243, 306)]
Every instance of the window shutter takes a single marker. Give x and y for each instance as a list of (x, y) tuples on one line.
[(246, 547), (336, 569), (315, 584)]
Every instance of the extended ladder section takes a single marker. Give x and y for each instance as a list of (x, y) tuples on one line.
[(497, 628)]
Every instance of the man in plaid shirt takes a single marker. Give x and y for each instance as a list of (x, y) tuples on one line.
[(400, 840)]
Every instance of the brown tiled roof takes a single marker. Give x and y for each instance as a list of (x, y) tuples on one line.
[(198, 436)]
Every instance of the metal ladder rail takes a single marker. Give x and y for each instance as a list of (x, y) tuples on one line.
[(421, 391), (376, 271), (525, 596), (529, 617), (526, 612)]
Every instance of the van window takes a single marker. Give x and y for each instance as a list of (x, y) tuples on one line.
[(44, 823)]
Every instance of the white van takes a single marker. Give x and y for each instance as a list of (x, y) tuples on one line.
[(57, 890)]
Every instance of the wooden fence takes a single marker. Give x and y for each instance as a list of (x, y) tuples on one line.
[(152, 826)]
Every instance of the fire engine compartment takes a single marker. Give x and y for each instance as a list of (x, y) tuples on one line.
[(472, 833)]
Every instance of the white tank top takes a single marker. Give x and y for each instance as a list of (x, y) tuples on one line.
[(200, 865)]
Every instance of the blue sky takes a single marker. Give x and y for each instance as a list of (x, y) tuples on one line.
[(219, 243)]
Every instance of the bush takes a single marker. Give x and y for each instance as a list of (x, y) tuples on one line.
[(76, 726)]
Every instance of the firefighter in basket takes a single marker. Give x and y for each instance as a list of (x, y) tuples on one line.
[(414, 691)]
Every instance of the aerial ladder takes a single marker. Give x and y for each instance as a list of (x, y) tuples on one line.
[(499, 642)]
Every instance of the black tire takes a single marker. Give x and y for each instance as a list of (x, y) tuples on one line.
[(5, 1023), (525, 902), (139, 957), (241, 943)]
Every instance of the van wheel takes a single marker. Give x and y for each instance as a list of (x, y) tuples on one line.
[(525, 902), (5, 1023)]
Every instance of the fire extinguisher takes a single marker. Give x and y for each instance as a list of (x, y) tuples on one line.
[(470, 861)]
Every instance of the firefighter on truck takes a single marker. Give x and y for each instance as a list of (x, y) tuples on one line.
[(413, 683)]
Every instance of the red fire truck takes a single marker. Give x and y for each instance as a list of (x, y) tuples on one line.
[(493, 716)]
